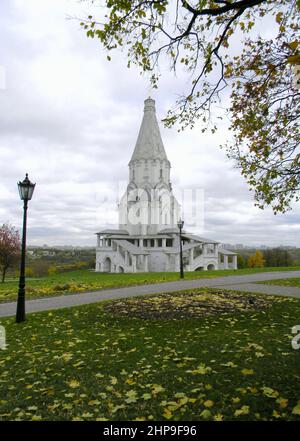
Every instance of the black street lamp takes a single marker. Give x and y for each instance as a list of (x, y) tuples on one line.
[(180, 224), (26, 191)]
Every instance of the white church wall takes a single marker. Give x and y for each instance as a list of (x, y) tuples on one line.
[(158, 262)]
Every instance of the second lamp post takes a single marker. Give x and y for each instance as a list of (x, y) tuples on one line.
[(180, 226)]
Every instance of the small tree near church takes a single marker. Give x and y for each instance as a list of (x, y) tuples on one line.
[(9, 248), (256, 260)]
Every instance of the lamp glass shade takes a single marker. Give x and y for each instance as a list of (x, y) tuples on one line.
[(26, 189), (180, 223)]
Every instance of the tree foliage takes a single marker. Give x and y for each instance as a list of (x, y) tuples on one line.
[(9, 248), (241, 263), (256, 260), (277, 257), (217, 43)]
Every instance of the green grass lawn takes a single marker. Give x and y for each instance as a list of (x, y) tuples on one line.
[(85, 280), (200, 355), (294, 281)]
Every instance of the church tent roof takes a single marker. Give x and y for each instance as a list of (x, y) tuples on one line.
[(149, 144)]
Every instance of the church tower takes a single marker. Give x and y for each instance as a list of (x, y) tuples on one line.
[(148, 204)]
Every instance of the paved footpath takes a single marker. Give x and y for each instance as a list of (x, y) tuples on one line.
[(244, 283)]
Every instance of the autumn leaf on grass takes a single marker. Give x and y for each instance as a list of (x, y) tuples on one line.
[(73, 384), (167, 414), (296, 409), (180, 395), (130, 381), (269, 392), (247, 371), (131, 396), (218, 417), (205, 414), (208, 403), (244, 410), (253, 390), (36, 418), (87, 415), (183, 401), (282, 402), (156, 388), (242, 390), (259, 354), (201, 370), (94, 403), (67, 356), (115, 409), (80, 363), (53, 406), (229, 364)]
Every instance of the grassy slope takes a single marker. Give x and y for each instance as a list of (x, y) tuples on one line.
[(85, 280), (284, 282), (82, 363)]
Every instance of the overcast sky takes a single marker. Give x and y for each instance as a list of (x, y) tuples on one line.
[(70, 119)]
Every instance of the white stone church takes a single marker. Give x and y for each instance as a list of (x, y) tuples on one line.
[(148, 236)]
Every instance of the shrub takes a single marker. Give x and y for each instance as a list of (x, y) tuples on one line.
[(52, 270), (71, 267), (40, 268), (29, 272), (64, 287)]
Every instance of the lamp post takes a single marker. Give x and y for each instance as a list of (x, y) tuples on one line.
[(26, 191), (180, 224)]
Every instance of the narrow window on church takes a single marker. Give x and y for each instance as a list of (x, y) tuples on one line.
[(161, 175)]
